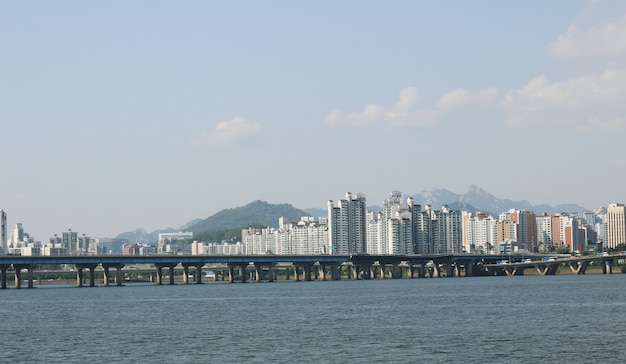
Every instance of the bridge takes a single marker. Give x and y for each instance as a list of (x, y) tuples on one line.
[(301, 267), (549, 266)]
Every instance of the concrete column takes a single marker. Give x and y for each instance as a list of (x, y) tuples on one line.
[(92, 276), (159, 275), (259, 272), (607, 266), (449, 270), (3, 276), (171, 274), (296, 272), (287, 273), (273, 274), (396, 272), (105, 269), (18, 277), (231, 274), (119, 275), (321, 273), (244, 277), (307, 272), (29, 276), (421, 271), (185, 274), (436, 270), (199, 274), (79, 276)]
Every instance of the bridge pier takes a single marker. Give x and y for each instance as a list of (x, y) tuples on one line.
[(436, 271), (159, 275), (321, 272), (80, 276), (18, 275), (3, 276), (419, 270), (307, 272), (579, 267), (118, 274), (259, 272), (198, 272), (242, 270), (450, 270), (607, 266), (185, 274)]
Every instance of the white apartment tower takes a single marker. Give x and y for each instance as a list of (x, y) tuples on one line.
[(17, 236), (347, 225), (447, 231), (616, 225), (396, 226), (480, 233)]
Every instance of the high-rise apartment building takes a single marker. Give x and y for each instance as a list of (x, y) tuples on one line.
[(17, 236), (526, 225), (347, 225), (447, 231), (559, 231), (479, 233), (4, 248), (307, 237), (69, 241), (506, 230), (173, 239), (391, 230), (404, 228), (616, 225)]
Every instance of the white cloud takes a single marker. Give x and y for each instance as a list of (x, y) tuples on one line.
[(582, 104), (403, 113), (607, 40), (229, 131), (460, 97), (607, 89), (409, 98)]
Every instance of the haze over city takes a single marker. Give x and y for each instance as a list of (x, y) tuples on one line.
[(120, 115)]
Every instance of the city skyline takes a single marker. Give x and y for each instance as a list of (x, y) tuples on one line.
[(151, 114), (369, 210)]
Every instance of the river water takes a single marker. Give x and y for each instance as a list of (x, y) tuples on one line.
[(525, 319)]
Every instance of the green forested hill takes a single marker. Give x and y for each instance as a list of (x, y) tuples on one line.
[(257, 214)]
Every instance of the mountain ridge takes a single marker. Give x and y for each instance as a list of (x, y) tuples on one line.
[(264, 214)]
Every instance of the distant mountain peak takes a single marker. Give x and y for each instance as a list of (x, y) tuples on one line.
[(481, 200)]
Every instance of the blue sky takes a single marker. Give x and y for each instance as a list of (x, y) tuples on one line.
[(125, 114)]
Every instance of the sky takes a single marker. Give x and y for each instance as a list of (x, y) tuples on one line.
[(120, 115)]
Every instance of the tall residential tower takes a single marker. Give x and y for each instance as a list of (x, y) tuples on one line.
[(347, 225), (3, 232)]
